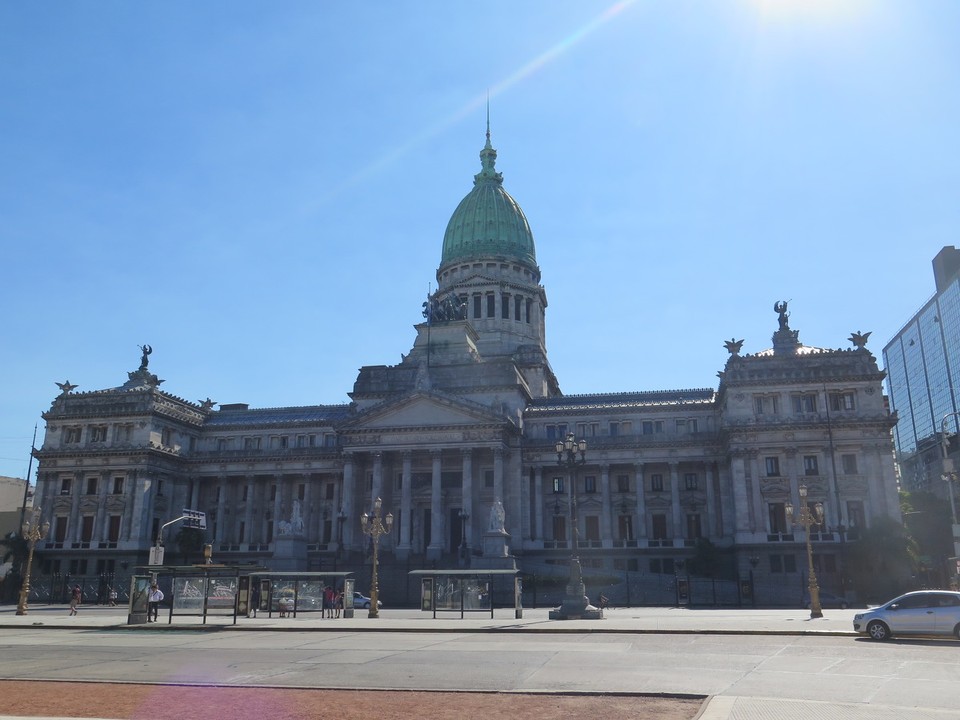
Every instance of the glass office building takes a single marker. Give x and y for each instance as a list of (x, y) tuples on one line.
[(923, 378)]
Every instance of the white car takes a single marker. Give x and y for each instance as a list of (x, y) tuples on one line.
[(363, 602), (924, 612)]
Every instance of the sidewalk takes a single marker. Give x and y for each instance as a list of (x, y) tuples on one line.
[(616, 620)]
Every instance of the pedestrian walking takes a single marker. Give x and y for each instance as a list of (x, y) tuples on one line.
[(254, 599), (76, 596), (154, 597), (338, 602), (113, 597)]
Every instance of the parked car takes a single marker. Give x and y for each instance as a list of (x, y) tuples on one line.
[(363, 602), (924, 612), (827, 600)]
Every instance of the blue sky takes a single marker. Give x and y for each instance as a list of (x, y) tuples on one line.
[(260, 190)]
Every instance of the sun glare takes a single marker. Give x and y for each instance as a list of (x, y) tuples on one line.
[(810, 11)]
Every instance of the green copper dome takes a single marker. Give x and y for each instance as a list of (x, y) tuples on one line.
[(488, 222)]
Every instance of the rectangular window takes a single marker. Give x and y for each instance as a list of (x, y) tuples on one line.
[(841, 401), (60, 530), (652, 427), (118, 486), (625, 527), (559, 527), (491, 305), (772, 466), (590, 484), (98, 433), (626, 427), (166, 437), (517, 307), (91, 486), (614, 428), (623, 483), (527, 314), (659, 522), (811, 465), (656, 482), (804, 403), (330, 490), (301, 492), (71, 435), (477, 305), (694, 530), (558, 485), (160, 488), (113, 528), (488, 478), (301, 441), (592, 527), (242, 532), (778, 518), (65, 485), (223, 444), (690, 481), (86, 528), (329, 440), (789, 563), (855, 514), (849, 464), (505, 306), (251, 443), (765, 404), (123, 433)]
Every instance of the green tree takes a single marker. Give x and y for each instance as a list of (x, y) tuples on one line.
[(883, 562), (15, 552)]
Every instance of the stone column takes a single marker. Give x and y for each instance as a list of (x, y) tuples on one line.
[(466, 492), (101, 522), (538, 503), (641, 530), (757, 516), (222, 489), (352, 518), (73, 526), (498, 476), (277, 505), (377, 487), (435, 549), (248, 511), (712, 522), (132, 525), (606, 530), (406, 505), (741, 500), (675, 503)]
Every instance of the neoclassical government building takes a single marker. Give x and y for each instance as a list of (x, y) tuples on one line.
[(468, 419)]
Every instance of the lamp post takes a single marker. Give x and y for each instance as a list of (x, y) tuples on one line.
[(372, 525), (571, 454), (948, 476), (31, 532), (464, 516), (805, 519)]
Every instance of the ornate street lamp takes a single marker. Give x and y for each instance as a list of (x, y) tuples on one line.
[(805, 519), (32, 532), (572, 453), (372, 525)]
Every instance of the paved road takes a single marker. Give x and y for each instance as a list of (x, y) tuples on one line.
[(791, 668)]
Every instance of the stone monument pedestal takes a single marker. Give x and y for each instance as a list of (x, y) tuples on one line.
[(496, 552), (289, 554)]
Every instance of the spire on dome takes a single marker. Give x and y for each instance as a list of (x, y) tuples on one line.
[(488, 159)]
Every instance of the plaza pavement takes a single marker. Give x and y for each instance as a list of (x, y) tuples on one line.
[(659, 620)]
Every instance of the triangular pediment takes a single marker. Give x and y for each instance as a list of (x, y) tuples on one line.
[(424, 409)]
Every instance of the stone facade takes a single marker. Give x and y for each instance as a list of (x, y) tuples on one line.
[(468, 421)]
